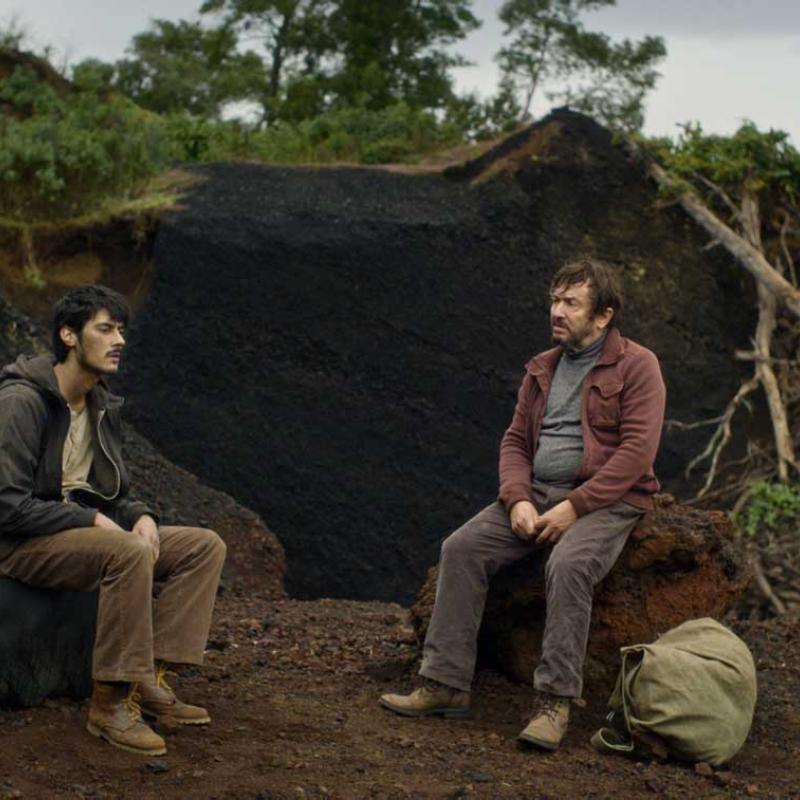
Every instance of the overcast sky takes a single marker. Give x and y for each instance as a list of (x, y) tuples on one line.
[(727, 59)]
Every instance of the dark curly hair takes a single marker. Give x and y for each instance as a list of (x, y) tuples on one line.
[(78, 306)]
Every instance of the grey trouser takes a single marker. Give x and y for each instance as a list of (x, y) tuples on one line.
[(580, 559), (132, 627)]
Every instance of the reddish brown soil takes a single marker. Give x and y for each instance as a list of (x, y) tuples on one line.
[(292, 688)]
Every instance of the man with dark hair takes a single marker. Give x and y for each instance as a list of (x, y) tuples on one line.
[(66, 522), (576, 473)]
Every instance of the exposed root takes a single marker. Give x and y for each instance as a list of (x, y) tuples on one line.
[(787, 255), (677, 425), (762, 582), (765, 375), (776, 282), (30, 270), (721, 436)]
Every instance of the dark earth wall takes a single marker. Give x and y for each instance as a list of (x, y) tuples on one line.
[(339, 348)]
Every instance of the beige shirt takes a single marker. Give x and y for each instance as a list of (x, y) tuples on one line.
[(78, 453)]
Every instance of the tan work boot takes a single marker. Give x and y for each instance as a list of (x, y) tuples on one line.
[(549, 723), (115, 715), (160, 703), (434, 698)]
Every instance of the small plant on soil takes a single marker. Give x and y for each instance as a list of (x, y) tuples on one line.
[(770, 506)]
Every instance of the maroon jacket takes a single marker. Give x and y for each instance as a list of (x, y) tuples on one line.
[(622, 411)]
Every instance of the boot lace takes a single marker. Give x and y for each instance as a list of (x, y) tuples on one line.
[(161, 677), (547, 705), (133, 703)]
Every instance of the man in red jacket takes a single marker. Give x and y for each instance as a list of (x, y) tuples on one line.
[(576, 474)]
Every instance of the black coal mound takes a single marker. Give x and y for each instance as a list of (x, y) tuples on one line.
[(339, 348)]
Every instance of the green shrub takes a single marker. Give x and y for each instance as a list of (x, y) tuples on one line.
[(397, 133), (385, 151), (65, 154), (769, 506), (188, 137)]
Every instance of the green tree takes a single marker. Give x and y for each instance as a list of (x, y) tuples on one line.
[(392, 52), (94, 75), (550, 49), (181, 66), (322, 54), (483, 119), (294, 37)]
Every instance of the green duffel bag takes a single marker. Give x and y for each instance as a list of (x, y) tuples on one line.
[(690, 694)]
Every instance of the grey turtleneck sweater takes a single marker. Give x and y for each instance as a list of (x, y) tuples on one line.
[(560, 449)]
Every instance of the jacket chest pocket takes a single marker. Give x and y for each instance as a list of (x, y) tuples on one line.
[(603, 408)]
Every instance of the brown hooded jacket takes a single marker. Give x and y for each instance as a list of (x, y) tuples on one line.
[(34, 422)]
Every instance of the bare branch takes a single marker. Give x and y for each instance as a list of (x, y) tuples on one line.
[(731, 489), (763, 583), (742, 499), (677, 425), (766, 376), (785, 248), (721, 436), (751, 355), (746, 246), (720, 192), (743, 251)]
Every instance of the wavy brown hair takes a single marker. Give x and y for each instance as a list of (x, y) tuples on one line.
[(605, 290)]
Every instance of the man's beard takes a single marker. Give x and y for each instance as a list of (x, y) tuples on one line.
[(92, 369), (570, 339)]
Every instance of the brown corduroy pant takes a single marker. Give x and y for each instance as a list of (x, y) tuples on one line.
[(580, 559), (133, 628)]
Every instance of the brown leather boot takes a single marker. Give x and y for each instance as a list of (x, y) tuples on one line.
[(549, 722), (160, 703), (115, 715), (430, 699)]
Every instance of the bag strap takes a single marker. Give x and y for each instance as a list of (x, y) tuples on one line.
[(625, 677), (612, 740), (619, 737)]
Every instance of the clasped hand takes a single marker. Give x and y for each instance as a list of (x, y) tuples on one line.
[(145, 527), (530, 525)]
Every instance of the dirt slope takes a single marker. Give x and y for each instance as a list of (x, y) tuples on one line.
[(255, 557), (340, 348), (291, 687)]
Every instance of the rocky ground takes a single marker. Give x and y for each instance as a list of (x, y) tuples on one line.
[(292, 686)]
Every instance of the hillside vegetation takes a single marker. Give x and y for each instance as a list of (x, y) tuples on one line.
[(288, 82)]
